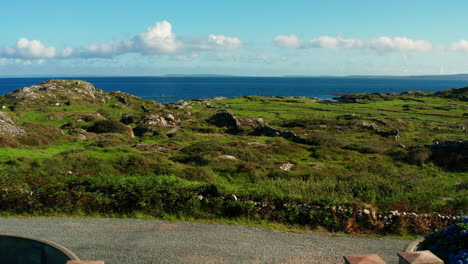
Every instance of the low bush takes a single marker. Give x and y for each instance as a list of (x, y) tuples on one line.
[(199, 174), (419, 156), (107, 126)]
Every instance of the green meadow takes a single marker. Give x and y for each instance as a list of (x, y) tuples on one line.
[(348, 158)]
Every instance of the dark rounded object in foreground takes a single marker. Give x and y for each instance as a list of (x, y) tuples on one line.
[(16, 249)]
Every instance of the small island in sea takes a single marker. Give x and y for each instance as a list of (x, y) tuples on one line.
[(379, 163)]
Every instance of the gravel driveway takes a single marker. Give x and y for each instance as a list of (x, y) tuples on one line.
[(129, 241)]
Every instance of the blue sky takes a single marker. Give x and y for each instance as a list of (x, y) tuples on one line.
[(257, 38)]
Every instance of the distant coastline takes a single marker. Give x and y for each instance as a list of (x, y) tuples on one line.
[(461, 76), (176, 88)]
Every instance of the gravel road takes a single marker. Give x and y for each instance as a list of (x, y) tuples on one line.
[(129, 241)]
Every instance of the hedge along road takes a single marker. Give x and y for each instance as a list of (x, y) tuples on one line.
[(131, 241)]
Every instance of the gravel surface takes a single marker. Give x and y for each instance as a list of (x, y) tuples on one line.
[(130, 241)]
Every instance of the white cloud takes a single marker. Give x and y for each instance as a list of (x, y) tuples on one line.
[(399, 44), (291, 41), (328, 42), (213, 42), (108, 49), (380, 45), (459, 46), (28, 49), (221, 42), (158, 39)]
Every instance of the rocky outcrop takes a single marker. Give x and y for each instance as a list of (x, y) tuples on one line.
[(374, 127), (58, 93), (150, 148), (8, 127), (236, 124), (357, 98), (81, 134), (266, 130), (153, 122)]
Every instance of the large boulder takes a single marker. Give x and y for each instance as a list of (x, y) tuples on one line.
[(8, 127), (236, 123), (224, 119), (153, 120), (152, 123)]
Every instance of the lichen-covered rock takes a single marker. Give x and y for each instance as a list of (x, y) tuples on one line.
[(8, 127), (153, 120)]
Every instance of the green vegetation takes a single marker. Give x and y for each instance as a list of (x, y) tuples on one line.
[(81, 157)]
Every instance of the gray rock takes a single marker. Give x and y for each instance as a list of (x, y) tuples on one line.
[(169, 117), (153, 120), (286, 166), (226, 157), (8, 127), (224, 119)]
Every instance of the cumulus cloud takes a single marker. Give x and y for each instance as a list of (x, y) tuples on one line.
[(386, 44), (28, 49), (108, 49), (161, 40), (158, 39), (328, 42), (221, 42), (291, 41), (459, 46), (380, 45)]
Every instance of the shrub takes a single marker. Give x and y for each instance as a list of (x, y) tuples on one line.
[(419, 156), (104, 113), (198, 174), (38, 134), (107, 126), (324, 139)]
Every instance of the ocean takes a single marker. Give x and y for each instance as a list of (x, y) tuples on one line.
[(173, 89)]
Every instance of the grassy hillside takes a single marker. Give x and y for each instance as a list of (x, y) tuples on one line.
[(95, 152)]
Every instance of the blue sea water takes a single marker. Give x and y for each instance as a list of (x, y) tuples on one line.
[(173, 89)]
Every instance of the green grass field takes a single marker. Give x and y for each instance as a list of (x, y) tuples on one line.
[(163, 172)]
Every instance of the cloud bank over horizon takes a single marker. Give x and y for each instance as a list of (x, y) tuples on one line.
[(160, 46), (380, 44), (156, 40)]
